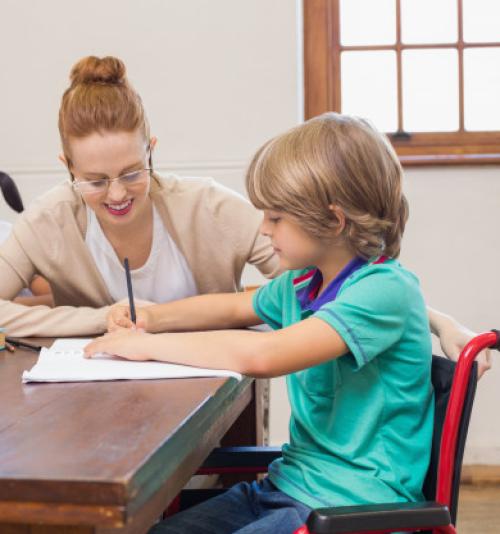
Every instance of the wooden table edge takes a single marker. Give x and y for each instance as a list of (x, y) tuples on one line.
[(141, 499)]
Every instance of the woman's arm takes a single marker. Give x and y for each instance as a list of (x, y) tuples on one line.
[(39, 320), (43, 321), (36, 300), (453, 337), (259, 354)]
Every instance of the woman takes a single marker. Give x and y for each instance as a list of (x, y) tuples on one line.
[(182, 237)]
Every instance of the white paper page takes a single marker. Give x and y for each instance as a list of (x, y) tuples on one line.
[(69, 343), (64, 362)]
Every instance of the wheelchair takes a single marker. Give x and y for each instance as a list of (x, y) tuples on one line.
[(454, 390)]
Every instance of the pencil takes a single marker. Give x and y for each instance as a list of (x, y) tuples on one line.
[(129, 289), (23, 344)]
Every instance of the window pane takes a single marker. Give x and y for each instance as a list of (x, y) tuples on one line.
[(367, 22), (369, 87), (481, 20), (429, 21), (430, 90), (481, 88)]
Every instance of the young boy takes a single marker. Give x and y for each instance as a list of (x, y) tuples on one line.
[(350, 331)]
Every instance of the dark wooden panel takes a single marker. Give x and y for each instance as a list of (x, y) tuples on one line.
[(41, 529)]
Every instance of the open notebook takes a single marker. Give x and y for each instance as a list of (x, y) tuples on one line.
[(64, 362)]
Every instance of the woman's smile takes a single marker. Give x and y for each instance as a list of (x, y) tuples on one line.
[(119, 209)]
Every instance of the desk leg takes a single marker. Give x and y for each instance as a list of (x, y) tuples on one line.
[(251, 427)]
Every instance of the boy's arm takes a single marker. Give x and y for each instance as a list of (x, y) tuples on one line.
[(453, 337), (203, 312), (259, 354)]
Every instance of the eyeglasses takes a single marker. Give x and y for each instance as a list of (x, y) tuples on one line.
[(129, 179)]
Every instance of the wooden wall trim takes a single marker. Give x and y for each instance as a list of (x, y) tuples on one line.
[(481, 475), (319, 61)]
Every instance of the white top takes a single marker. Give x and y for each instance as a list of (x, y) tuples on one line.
[(164, 277), (5, 229)]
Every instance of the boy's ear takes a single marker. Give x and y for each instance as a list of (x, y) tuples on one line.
[(152, 142), (339, 217), (62, 159)]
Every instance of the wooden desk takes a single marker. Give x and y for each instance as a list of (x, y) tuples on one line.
[(107, 457)]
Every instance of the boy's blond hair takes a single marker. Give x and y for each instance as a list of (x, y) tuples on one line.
[(335, 160)]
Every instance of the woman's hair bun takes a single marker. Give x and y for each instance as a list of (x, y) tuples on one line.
[(91, 69)]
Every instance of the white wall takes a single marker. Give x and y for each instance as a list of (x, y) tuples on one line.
[(452, 243), (218, 77)]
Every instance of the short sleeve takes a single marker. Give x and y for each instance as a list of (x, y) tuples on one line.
[(269, 299), (370, 314)]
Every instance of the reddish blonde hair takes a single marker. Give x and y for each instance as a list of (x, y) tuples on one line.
[(99, 98), (340, 160)]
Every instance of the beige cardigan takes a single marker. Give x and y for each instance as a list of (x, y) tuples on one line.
[(215, 228)]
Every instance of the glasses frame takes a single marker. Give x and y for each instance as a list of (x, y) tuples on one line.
[(75, 183)]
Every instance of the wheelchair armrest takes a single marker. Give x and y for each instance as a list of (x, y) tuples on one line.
[(242, 457), (391, 517)]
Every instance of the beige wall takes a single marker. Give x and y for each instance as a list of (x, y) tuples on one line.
[(218, 77)]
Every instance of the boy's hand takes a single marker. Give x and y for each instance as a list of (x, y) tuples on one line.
[(126, 343), (119, 317), (453, 337)]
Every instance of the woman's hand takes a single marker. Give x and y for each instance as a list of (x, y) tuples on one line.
[(453, 337), (127, 343), (119, 317)]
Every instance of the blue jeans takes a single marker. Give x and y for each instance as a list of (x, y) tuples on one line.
[(245, 508)]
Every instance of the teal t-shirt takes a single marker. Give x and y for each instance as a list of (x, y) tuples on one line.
[(361, 424)]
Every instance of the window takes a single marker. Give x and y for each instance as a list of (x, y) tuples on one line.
[(427, 72)]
